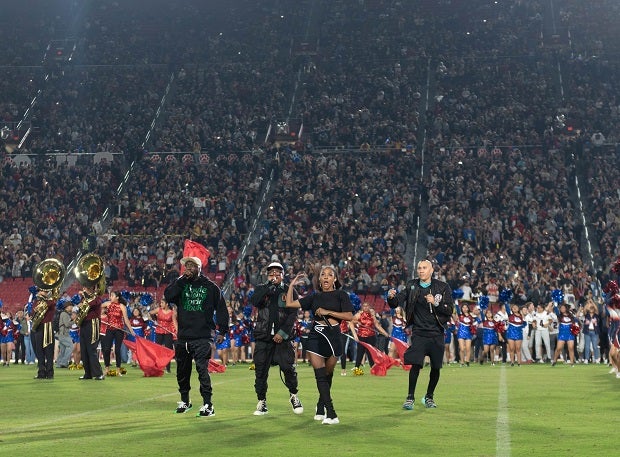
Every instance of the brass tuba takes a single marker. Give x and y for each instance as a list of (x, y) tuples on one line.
[(48, 276), (89, 273)]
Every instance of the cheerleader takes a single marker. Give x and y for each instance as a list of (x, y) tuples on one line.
[(449, 330), (514, 333), (223, 348), (464, 335), (74, 333), (489, 337), (116, 309), (398, 331), (137, 324), (565, 336), (364, 328), (306, 325), (7, 338), (613, 327)]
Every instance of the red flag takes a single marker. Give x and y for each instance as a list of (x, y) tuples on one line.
[(401, 347), (382, 361), (193, 249), (216, 367), (151, 357)]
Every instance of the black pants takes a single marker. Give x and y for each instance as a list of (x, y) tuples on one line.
[(200, 352), (89, 340), (112, 337), (45, 355), (20, 349), (361, 350), (268, 353)]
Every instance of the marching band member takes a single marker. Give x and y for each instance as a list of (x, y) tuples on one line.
[(90, 336), (43, 336)]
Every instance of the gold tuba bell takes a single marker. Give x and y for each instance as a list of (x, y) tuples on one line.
[(89, 273), (48, 276)]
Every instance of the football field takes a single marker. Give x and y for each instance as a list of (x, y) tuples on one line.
[(532, 410)]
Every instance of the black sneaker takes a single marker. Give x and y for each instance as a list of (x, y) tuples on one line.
[(206, 411), (429, 402), (296, 404), (261, 408), (183, 407)]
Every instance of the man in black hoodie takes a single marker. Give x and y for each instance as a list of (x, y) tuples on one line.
[(428, 305), (196, 298), (274, 332)]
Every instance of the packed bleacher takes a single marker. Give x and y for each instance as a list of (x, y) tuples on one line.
[(421, 99)]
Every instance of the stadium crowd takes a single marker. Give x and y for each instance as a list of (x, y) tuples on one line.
[(463, 133)]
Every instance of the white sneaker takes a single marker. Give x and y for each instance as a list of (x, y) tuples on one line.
[(330, 421), (319, 413), (617, 375), (296, 404), (613, 370), (261, 408)]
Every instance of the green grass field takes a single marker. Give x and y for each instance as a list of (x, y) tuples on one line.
[(534, 410)]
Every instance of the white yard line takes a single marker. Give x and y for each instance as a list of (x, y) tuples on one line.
[(502, 427)]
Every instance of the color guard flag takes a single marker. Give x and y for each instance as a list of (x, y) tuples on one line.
[(151, 357), (382, 361), (193, 249), (401, 347)]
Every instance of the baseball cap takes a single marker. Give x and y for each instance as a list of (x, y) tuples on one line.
[(275, 265), (196, 260)]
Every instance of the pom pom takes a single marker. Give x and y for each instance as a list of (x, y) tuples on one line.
[(574, 329), (126, 295), (1, 304), (356, 302), (76, 299), (247, 311), (33, 290), (616, 266), (505, 296), (29, 308), (146, 299), (457, 294), (483, 302), (557, 296), (500, 327), (60, 304), (611, 288)]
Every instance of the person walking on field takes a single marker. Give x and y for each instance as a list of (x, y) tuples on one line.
[(428, 306)]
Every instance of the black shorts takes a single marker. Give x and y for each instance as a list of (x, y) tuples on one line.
[(325, 341), (422, 346)]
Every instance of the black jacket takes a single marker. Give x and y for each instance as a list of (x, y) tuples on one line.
[(414, 304), (196, 302), (273, 315)]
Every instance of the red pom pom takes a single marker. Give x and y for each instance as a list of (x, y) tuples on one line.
[(616, 266), (611, 288), (500, 327), (574, 329)]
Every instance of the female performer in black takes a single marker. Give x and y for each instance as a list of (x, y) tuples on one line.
[(330, 305)]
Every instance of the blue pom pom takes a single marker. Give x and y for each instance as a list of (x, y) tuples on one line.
[(356, 302), (483, 302), (1, 304), (29, 307), (247, 311), (126, 295), (146, 299), (505, 296), (60, 304), (76, 299), (33, 290), (457, 294), (557, 296)]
